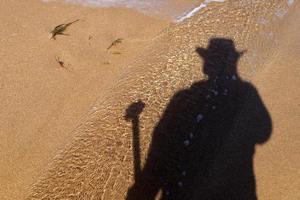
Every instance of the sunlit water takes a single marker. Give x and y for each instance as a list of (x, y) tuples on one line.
[(172, 9), (176, 10)]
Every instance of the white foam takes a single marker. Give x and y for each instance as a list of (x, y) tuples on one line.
[(199, 118), (145, 6), (191, 135), (139, 4), (186, 142), (280, 12), (290, 2), (195, 10), (149, 7), (263, 21), (180, 184)]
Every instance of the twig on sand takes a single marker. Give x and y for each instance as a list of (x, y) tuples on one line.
[(90, 38), (114, 43), (106, 63), (63, 65), (60, 29), (60, 62), (116, 53)]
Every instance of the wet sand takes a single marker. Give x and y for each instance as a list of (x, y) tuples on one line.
[(96, 159)]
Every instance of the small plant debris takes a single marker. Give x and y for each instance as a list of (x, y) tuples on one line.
[(60, 62), (60, 29), (106, 63), (116, 53), (114, 43), (90, 38)]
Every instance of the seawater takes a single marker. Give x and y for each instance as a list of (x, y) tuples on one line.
[(177, 10)]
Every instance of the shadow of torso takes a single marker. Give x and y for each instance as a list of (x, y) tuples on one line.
[(203, 146)]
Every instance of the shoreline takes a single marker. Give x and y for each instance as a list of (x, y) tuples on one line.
[(169, 10)]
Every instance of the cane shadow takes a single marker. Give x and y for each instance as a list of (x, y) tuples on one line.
[(204, 144), (132, 114)]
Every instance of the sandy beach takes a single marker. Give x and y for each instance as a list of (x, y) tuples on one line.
[(43, 102), (63, 134)]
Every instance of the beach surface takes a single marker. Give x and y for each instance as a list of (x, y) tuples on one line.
[(63, 133), (42, 102)]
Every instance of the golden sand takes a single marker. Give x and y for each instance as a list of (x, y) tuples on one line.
[(43, 103)]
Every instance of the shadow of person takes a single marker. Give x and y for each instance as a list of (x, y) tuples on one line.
[(204, 143)]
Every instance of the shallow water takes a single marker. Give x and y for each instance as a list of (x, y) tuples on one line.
[(171, 9), (176, 10)]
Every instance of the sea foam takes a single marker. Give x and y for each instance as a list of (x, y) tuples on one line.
[(137, 4), (290, 2), (145, 6), (195, 10)]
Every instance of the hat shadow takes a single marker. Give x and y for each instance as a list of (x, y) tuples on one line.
[(220, 57), (204, 143)]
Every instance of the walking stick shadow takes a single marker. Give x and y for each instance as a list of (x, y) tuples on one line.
[(132, 114)]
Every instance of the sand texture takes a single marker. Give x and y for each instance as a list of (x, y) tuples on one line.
[(42, 102), (133, 143)]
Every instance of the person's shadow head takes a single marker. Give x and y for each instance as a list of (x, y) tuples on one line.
[(220, 58)]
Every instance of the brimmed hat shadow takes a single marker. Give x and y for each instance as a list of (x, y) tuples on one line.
[(220, 57)]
